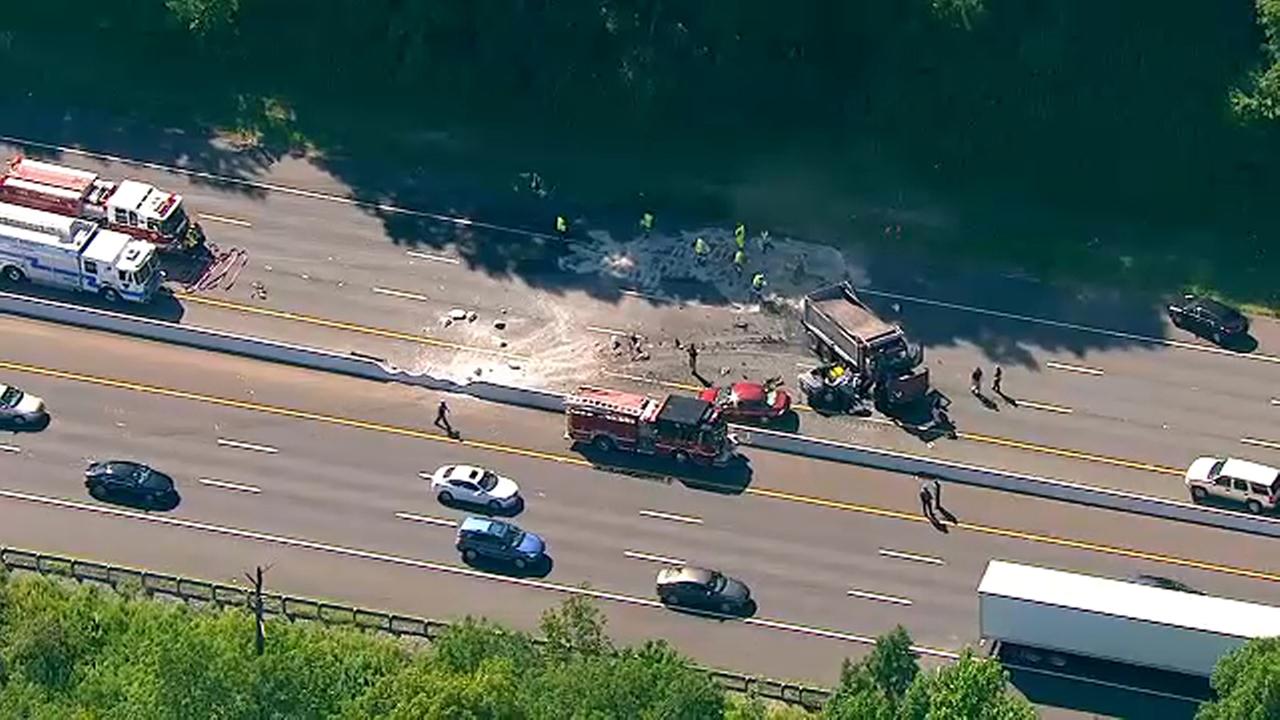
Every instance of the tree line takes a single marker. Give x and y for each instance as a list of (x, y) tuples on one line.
[(69, 650)]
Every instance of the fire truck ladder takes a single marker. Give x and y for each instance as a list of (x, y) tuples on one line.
[(613, 407)]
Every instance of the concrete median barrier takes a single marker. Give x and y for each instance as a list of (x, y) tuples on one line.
[(374, 368)]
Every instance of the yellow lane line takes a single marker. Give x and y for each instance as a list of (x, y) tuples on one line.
[(581, 462), (339, 325)]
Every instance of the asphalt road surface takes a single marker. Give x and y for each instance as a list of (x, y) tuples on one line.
[(319, 475), (1103, 390)]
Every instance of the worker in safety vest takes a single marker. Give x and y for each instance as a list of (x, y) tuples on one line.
[(740, 236), (562, 226), (701, 250), (739, 259), (757, 283), (646, 223)]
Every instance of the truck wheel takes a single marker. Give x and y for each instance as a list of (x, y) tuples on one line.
[(111, 295), (603, 443), (14, 275), (1254, 507)]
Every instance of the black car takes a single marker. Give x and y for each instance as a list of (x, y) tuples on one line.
[(21, 410), (700, 588), (1208, 318), (130, 481)]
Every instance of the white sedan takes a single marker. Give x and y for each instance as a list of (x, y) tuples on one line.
[(474, 485)]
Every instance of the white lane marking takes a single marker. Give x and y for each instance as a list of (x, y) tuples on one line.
[(227, 220), (1082, 369), (900, 555), (414, 517), (646, 296), (606, 331), (878, 597), (1072, 326), (1261, 443), (671, 516), (10, 448), (1275, 401), (273, 187), (211, 482), (425, 475), (1044, 406), (458, 570), (636, 555), (241, 445), (436, 258), (401, 294)]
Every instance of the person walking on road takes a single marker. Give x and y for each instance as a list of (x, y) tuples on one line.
[(562, 226), (975, 382), (740, 236), (927, 506), (646, 224), (996, 378), (757, 286), (442, 419), (692, 351), (739, 259)]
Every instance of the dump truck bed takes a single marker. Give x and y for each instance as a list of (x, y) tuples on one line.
[(845, 323)]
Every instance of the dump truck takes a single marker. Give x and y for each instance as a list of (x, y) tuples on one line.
[(861, 353)]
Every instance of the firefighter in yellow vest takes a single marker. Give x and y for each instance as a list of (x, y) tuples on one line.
[(740, 236), (701, 250), (646, 223), (757, 285), (562, 226), (739, 259)]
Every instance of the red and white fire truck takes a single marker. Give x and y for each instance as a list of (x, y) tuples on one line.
[(678, 426), (127, 206)]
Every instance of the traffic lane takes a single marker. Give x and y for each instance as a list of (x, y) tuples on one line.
[(410, 590), (314, 477), (403, 413), (808, 475)]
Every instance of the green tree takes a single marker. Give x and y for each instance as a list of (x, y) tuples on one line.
[(972, 688), (1259, 100), (874, 686), (1247, 683), (204, 17), (577, 627)]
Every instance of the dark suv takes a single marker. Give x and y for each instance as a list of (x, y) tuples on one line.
[(480, 537), (129, 481), (1208, 318)]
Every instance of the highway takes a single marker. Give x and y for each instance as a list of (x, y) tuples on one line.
[(1106, 391), (318, 476)]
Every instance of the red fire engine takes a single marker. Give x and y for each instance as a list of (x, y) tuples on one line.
[(682, 427), (128, 206)]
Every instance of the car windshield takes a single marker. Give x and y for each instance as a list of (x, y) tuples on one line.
[(1216, 470), (716, 582), (512, 535), (488, 481), (10, 397), (172, 225)]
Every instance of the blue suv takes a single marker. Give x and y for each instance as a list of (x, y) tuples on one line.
[(481, 537)]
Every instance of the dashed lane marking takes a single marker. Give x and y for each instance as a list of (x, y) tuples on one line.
[(242, 445), (1047, 407), (911, 557), (1269, 444), (659, 515), (661, 559), (878, 597), (213, 482), (433, 258), (426, 519), (1083, 370), (405, 294), (227, 220)]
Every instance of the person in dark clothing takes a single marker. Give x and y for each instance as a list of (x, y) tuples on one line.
[(936, 487), (442, 418), (975, 382), (692, 351), (996, 379)]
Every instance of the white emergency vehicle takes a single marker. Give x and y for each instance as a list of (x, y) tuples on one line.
[(75, 254)]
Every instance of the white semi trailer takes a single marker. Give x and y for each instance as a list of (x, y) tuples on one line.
[(1117, 621)]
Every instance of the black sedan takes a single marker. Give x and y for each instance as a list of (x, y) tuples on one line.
[(1208, 318), (130, 482), (699, 588), (21, 410)]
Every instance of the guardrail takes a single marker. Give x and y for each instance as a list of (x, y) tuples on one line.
[(373, 368), (293, 607)]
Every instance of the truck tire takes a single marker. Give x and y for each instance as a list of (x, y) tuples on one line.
[(603, 443), (681, 457), (14, 275), (111, 295)]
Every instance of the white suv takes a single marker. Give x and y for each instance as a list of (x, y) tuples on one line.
[(1255, 485)]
